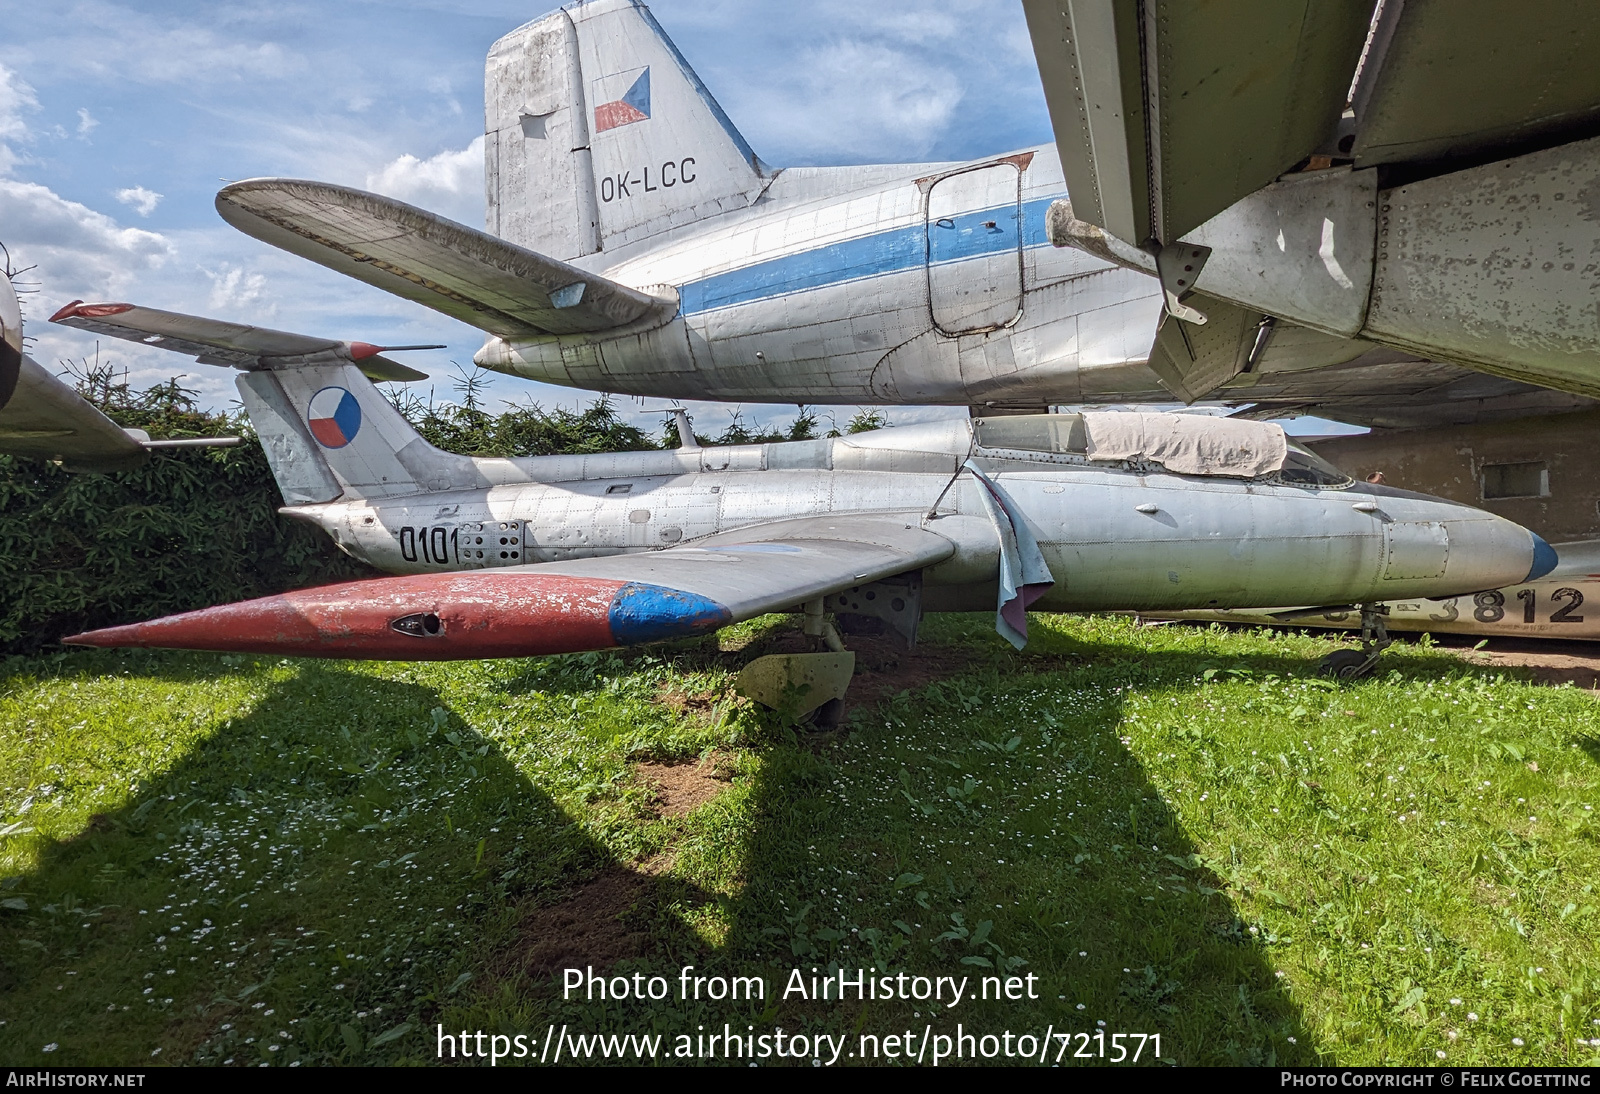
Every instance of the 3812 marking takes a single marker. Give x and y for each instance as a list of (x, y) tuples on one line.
[(1490, 607)]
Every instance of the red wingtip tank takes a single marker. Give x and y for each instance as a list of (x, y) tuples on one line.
[(431, 617)]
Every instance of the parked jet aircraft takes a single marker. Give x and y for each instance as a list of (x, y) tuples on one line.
[(636, 244), (511, 557)]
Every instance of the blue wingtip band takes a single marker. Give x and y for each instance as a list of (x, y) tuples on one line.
[(650, 613)]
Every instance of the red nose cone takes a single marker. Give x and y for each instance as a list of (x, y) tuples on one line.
[(360, 351), (430, 617)]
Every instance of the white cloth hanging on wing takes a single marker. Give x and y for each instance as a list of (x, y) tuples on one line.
[(1188, 444), (1024, 574)]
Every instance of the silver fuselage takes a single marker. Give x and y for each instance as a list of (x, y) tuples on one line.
[(910, 283), (1116, 536)]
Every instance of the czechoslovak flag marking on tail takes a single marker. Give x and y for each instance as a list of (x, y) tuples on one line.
[(624, 99), (334, 417)]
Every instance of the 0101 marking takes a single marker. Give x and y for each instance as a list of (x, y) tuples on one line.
[(477, 543)]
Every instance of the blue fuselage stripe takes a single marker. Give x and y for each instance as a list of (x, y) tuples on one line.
[(953, 239)]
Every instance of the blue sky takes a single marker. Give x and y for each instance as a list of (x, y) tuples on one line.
[(119, 121)]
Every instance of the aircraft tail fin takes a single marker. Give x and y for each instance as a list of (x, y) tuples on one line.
[(598, 133), (329, 434), (327, 431)]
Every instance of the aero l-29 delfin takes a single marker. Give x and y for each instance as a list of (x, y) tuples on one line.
[(553, 554)]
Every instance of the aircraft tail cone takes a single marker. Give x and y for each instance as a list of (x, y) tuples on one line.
[(432, 617)]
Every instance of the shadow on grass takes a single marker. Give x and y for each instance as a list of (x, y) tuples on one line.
[(996, 824), (369, 865), (332, 865), (996, 816)]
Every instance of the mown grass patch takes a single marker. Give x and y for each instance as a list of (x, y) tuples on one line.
[(1176, 830)]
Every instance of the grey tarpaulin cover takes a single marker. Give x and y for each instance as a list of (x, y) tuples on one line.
[(1188, 444), (1024, 574)]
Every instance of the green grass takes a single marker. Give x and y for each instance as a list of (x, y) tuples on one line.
[(1176, 830)]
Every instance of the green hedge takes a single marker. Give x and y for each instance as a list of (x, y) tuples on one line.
[(189, 529)]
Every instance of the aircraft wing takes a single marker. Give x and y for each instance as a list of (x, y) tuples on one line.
[(45, 419), (776, 566), (559, 607), (213, 342), (1166, 112), (495, 286)]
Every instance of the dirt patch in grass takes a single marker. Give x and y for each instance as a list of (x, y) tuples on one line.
[(699, 705), (884, 668), (600, 924), (684, 786), (1549, 662)]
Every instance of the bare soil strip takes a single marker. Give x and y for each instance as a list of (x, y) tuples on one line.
[(1550, 662)]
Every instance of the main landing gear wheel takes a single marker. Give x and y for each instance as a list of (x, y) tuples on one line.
[(1354, 664), (827, 716)]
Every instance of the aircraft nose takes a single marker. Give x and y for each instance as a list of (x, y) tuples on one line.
[(1544, 558)]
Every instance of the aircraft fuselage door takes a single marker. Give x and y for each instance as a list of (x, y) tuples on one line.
[(975, 249)]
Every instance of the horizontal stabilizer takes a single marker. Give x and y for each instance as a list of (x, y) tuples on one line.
[(565, 607), (495, 286), (169, 443), (213, 342)]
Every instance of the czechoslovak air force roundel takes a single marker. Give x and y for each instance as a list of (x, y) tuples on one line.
[(334, 417)]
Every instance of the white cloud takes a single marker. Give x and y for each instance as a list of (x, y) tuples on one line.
[(87, 122), (144, 201), (450, 183), (74, 249), (860, 99), (953, 79), (118, 40), (78, 251), (16, 99), (239, 291)]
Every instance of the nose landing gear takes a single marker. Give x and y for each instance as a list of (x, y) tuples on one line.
[(1355, 664)]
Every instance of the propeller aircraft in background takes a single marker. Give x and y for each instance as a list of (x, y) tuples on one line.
[(636, 244)]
